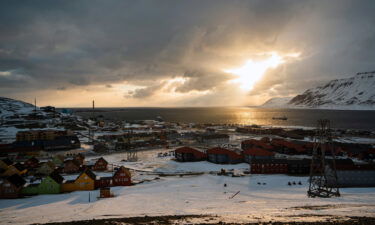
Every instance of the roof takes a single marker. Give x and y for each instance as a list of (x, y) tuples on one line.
[(75, 162), (56, 177), (186, 149), (102, 159), (258, 152), (19, 167), (268, 161), (89, 173), (122, 168), (7, 161), (219, 150), (261, 143), (16, 180)]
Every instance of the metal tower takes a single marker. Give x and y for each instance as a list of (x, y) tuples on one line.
[(323, 177)]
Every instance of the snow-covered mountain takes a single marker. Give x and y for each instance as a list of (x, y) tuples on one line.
[(355, 93), (9, 107), (276, 102)]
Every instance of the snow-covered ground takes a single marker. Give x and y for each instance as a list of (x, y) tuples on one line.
[(261, 197)]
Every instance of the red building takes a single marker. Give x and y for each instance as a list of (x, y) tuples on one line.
[(122, 177), (263, 143), (100, 165), (103, 182), (224, 156), (269, 166), (187, 154), (257, 153)]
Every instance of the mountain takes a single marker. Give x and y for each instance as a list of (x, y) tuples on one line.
[(10, 107), (354, 93), (276, 102)]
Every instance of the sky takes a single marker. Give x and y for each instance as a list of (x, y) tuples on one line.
[(167, 53)]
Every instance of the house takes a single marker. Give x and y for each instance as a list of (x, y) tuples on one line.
[(122, 177), (103, 182), (11, 186), (49, 185), (17, 168), (287, 147), (223, 156), (80, 158), (100, 165), (257, 153), (187, 154), (5, 163), (84, 182), (105, 193), (269, 166), (31, 163), (46, 168), (58, 160), (71, 166)]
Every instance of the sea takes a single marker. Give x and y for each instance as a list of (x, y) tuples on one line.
[(340, 119)]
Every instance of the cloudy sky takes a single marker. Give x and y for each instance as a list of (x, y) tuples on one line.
[(179, 53)]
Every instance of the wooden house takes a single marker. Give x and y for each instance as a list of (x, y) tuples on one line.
[(269, 166), (223, 156), (46, 168), (11, 186), (17, 168), (71, 166), (100, 165), (257, 153), (187, 154), (84, 182), (103, 182), (122, 177), (105, 193), (5, 163), (31, 163)]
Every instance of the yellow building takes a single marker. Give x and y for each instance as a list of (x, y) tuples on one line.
[(84, 182)]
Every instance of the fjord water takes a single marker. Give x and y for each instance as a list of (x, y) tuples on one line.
[(346, 119)]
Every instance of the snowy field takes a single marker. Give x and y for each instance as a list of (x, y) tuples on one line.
[(261, 197)]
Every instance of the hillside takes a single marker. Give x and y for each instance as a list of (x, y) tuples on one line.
[(10, 107), (355, 93)]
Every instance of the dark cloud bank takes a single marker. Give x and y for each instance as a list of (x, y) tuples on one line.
[(58, 45)]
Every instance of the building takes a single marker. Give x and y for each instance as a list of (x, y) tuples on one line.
[(80, 158), (257, 153), (356, 175), (100, 165), (299, 166), (251, 143), (187, 154), (84, 182), (31, 163), (122, 177), (269, 166), (46, 168), (17, 168), (11, 186), (5, 163), (71, 166), (105, 193), (224, 156), (102, 182), (49, 185), (213, 139)]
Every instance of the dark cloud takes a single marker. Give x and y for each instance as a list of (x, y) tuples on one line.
[(80, 43)]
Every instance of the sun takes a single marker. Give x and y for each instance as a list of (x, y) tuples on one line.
[(252, 71)]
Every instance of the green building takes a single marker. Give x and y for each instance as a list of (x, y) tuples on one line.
[(49, 185)]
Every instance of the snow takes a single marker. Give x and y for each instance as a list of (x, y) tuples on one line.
[(271, 199), (354, 93)]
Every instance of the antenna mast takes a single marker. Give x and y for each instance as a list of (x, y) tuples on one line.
[(323, 176)]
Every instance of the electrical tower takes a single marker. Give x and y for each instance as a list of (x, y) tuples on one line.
[(323, 176)]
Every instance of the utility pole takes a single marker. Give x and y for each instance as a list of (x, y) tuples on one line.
[(323, 176)]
